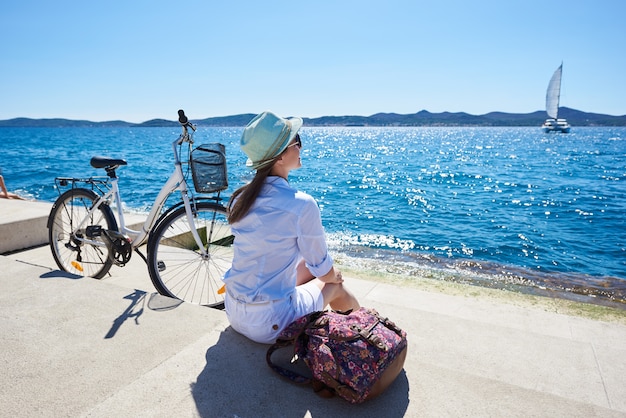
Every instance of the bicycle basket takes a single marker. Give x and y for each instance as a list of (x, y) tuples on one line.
[(208, 168)]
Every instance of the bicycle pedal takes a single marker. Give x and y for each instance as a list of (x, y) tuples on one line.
[(93, 231)]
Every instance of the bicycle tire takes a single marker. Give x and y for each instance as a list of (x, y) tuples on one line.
[(176, 266), (69, 252)]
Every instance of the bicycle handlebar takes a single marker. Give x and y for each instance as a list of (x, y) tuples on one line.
[(184, 121)]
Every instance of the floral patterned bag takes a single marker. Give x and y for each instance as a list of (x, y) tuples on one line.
[(355, 355)]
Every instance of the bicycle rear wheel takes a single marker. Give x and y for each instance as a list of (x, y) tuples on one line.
[(176, 265), (72, 249)]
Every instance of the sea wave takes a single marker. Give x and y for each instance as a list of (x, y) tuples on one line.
[(605, 290)]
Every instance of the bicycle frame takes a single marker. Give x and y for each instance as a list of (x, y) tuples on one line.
[(175, 182)]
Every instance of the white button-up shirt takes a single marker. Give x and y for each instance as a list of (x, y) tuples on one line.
[(282, 227)]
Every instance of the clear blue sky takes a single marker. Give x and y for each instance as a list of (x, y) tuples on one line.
[(137, 60)]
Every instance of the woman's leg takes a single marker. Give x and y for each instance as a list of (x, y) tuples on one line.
[(3, 189), (338, 297)]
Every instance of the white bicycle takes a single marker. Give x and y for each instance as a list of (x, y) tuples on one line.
[(189, 246)]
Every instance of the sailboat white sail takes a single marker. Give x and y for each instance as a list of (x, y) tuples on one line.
[(553, 96)]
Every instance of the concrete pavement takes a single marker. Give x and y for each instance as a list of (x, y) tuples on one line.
[(113, 347)]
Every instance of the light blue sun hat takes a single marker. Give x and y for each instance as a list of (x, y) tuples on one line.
[(266, 136)]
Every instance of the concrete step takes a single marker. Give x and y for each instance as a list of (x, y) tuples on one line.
[(23, 224)]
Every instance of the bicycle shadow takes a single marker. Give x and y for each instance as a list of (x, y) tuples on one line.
[(236, 381), (134, 311), (139, 300), (59, 274), (155, 302)]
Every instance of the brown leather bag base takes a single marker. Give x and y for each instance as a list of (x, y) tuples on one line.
[(389, 375)]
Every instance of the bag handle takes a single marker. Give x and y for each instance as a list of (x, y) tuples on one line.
[(320, 388), (289, 374), (286, 342)]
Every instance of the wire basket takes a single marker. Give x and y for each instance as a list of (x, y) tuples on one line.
[(208, 168)]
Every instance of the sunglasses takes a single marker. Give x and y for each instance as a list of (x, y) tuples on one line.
[(297, 143)]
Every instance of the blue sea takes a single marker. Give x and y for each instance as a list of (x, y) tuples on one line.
[(509, 208)]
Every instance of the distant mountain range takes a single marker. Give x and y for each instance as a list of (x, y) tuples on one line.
[(422, 118)]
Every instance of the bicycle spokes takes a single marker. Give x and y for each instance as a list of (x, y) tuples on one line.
[(177, 266)]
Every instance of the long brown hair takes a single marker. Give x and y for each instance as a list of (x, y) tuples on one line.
[(246, 195)]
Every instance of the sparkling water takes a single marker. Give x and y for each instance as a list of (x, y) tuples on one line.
[(499, 207)]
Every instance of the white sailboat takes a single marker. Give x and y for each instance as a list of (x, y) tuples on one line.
[(553, 95)]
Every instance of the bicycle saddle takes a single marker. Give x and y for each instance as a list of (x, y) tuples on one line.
[(103, 162)]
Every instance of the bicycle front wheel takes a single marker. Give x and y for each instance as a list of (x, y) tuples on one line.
[(80, 251), (178, 268)]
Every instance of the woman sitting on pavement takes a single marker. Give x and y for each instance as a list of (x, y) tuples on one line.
[(281, 267), (4, 193)]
